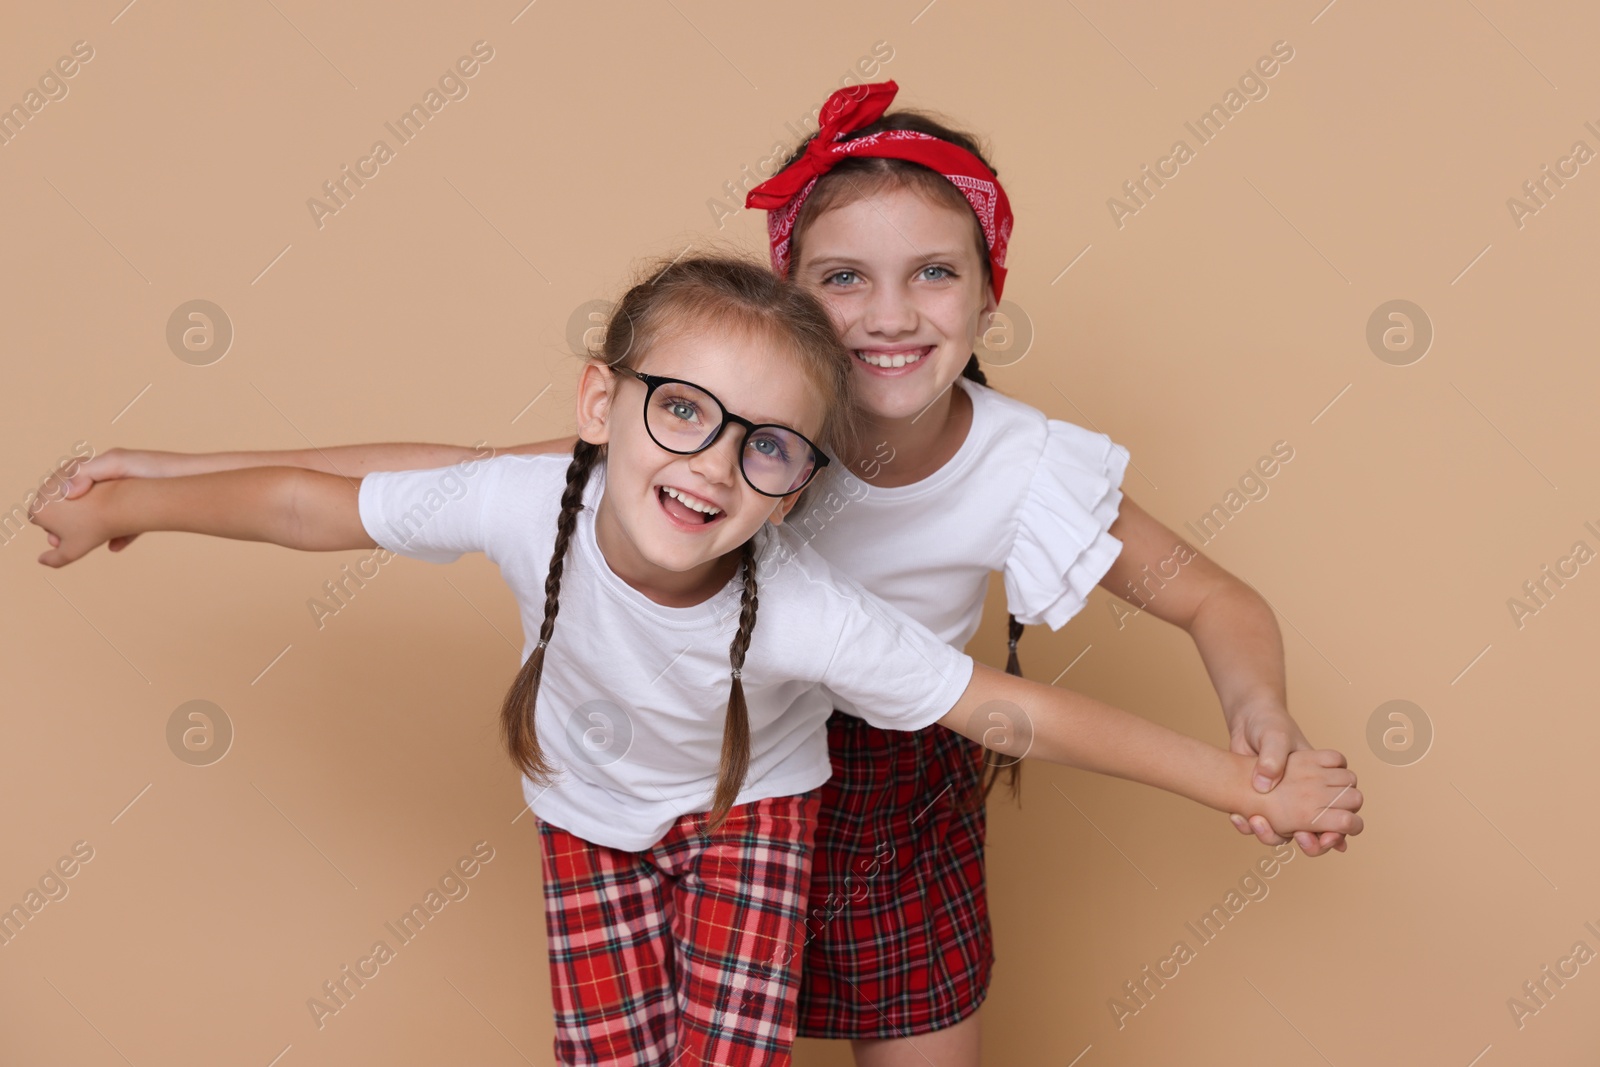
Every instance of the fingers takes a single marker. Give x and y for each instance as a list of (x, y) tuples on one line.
[(1270, 764), (1328, 757), (77, 485), (1264, 831)]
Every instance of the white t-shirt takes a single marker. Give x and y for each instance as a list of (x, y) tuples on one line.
[(1025, 494), (631, 706)]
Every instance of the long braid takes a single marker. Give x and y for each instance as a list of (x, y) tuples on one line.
[(991, 771), (736, 727), (516, 714)]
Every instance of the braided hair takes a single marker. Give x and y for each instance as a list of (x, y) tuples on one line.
[(716, 292)]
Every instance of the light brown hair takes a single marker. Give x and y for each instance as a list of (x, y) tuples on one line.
[(707, 293)]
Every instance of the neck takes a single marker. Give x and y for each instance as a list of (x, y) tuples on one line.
[(903, 451)]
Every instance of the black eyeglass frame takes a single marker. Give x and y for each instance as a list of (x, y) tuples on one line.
[(655, 381)]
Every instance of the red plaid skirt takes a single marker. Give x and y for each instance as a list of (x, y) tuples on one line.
[(688, 952), (897, 930)]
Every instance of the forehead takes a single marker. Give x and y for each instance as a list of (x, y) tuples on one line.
[(755, 374), (892, 225)]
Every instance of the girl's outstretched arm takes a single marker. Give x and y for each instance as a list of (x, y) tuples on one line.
[(294, 508), (1018, 717), (1238, 639), (351, 461)]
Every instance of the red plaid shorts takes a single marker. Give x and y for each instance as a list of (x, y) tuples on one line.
[(897, 929), (688, 952)]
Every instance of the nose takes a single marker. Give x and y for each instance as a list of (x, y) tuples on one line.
[(889, 311), (719, 464)]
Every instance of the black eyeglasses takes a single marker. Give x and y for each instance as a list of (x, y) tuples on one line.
[(684, 419)]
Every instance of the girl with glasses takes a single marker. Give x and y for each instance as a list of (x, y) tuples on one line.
[(677, 839)]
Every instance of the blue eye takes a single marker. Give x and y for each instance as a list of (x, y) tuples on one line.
[(770, 447), (836, 276), (679, 408), (941, 273)]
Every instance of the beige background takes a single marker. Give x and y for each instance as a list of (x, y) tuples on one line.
[(1229, 313)]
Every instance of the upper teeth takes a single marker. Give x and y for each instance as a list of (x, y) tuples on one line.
[(899, 359), (690, 502)]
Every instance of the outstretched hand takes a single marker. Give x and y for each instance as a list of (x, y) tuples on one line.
[(109, 465), (74, 527), (1269, 733)]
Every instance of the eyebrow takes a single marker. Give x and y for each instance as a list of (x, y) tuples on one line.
[(851, 261)]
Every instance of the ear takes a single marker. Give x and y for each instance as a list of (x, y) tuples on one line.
[(596, 385), (785, 506), (991, 303)]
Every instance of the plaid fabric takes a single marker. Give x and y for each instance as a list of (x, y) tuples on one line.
[(897, 931), (687, 953)]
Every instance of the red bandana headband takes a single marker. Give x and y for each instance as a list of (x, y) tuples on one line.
[(849, 109)]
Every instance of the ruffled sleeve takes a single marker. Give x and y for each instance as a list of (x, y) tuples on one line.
[(1062, 548)]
